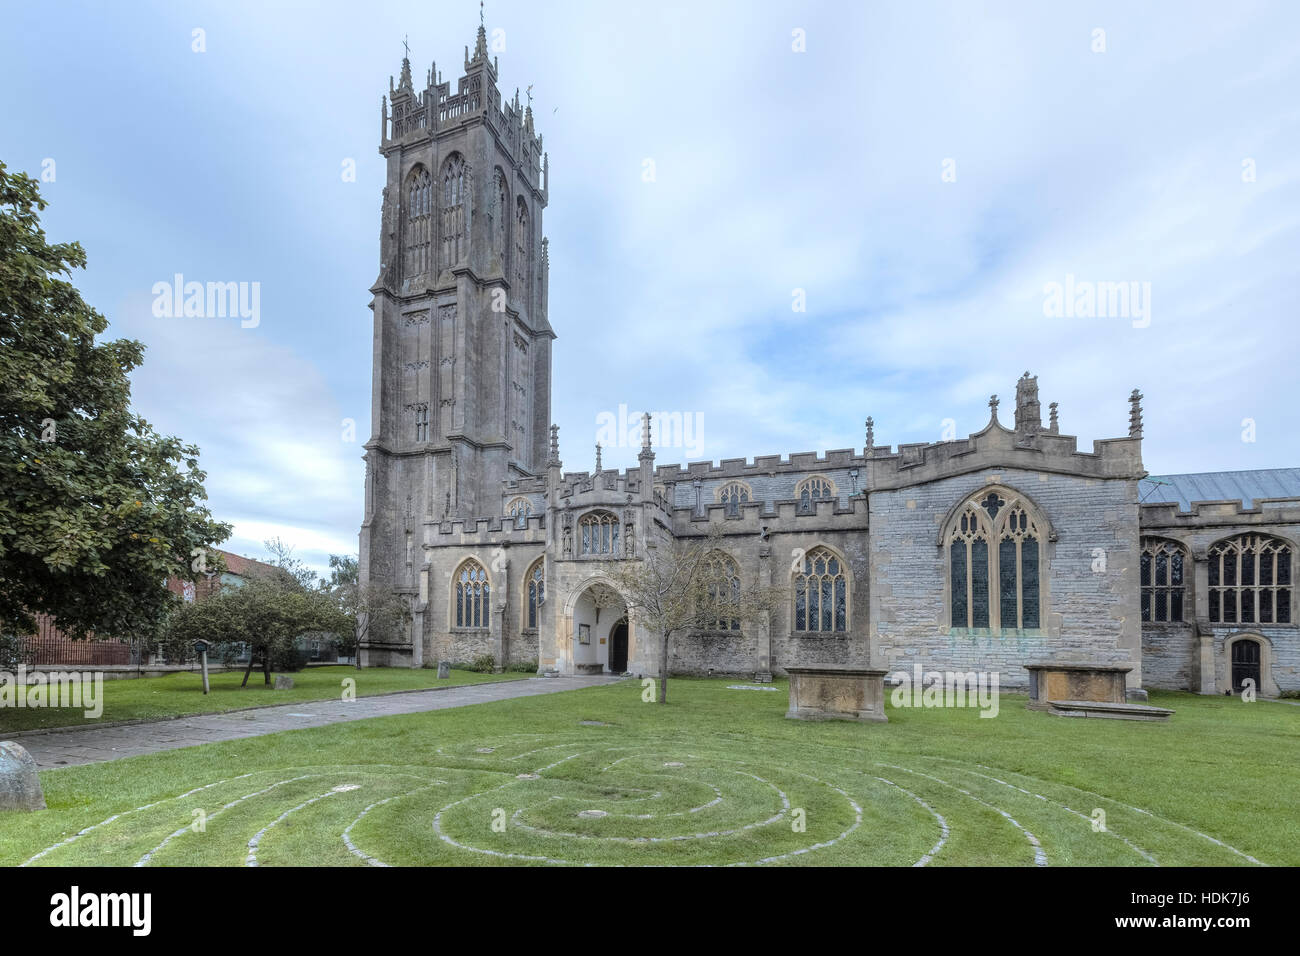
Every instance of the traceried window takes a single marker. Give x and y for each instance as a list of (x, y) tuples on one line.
[(821, 593), (812, 490), (473, 591), (519, 509), (536, 591), (994, 546), (455, 185), (599, 532), (733, 495), (1250, 581), (522, 243), (419, 218), (721, 578), (1163, 565), (500, 216)]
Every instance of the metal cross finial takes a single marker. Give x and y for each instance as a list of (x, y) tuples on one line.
[(406, 46)]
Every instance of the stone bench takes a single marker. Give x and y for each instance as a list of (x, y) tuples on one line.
[(837, 693)]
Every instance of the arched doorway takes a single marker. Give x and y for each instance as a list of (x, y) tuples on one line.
[(618, 647), (598, 611), (1245, 664)]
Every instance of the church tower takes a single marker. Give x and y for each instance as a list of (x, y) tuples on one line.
[(460, 397)]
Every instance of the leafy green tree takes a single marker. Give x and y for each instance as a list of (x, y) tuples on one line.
[(267, 614), (96, 508)]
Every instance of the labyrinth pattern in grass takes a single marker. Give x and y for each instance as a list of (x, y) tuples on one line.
[(532, 800)]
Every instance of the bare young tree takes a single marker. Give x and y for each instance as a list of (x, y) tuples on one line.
[(686, 589)]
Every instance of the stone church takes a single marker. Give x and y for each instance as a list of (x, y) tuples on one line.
[(1010, 546)]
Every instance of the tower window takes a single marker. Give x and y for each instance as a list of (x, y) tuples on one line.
[(421, 415), (419, 216), (454, 190), (519, 509)]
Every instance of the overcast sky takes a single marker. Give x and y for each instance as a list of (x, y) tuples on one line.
[(923, 172)]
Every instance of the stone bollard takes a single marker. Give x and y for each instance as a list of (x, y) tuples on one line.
[(444, 670), (20, 787), (283, 683)]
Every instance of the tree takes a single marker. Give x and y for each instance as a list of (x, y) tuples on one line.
[(371, 608), (684, 589), (97, 509), (266, 613)]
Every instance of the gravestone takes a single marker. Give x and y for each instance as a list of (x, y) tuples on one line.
[(20, 787), (837, 693), (283, 683), (444, 670)]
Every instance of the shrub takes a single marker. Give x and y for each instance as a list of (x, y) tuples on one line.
[(524, 667), (483, 664)]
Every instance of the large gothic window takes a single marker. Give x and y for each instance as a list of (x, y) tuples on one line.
[(721, 579), (472, 593), (994, 545), (1163, 565), (522, 244), (1250, 581), (821, 593), (812, 490), (536, 583), (455, 187), (733, 495), (419, 218), (599, 533)]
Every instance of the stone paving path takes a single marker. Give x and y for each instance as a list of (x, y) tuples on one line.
[(90, 744)]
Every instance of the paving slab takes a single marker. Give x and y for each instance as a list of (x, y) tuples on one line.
[(90, 744)]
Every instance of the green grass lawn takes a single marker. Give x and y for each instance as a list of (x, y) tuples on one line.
[(717, 776), (152, 698)]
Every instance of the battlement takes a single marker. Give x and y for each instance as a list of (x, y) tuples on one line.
[(417, 116), (1168, 515)]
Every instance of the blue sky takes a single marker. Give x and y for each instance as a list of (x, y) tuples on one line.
[(775, 170)]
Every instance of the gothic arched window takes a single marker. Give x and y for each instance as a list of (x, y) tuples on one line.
[(721, 579), (522, 244), (821, 601), (455, 189), (419, 218), (599, 533), (1250, 580), (472, 593), (1162, 569), (733, 495), (810, 491), (500, 216), (999, 588), (519, 509), (536, 583)]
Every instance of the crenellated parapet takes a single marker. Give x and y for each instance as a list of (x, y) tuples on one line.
[(1168, 516)]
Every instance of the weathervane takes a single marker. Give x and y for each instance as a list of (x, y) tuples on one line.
[(406, 46)]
